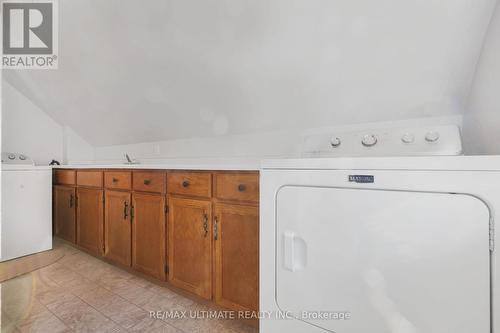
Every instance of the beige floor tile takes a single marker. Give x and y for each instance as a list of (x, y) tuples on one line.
[(42, 323), (165, 328), (19, 266), (13, 288), (120, 273), (134, 294), (176, 303), (58, 273), (141, 282), (42, 282), (80, 293), (93, 271), (53, 295), (99, 298), (81, 317), (110, 281), (7, 325), (79, 286), (151, 325), (18, 298), (81, 263), (68, 304), (124, 313)]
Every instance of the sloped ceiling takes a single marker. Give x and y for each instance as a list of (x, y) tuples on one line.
[(138, 71)]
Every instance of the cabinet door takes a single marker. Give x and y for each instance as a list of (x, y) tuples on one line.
[(236, 234), (148, 234), (190, 245), (117, 227), (64, 212), (90, 215)]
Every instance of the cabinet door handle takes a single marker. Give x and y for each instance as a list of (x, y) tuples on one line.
[(205, 224), (132, 213), (185, 183), (125, 210), (147, 181), (114, 180), (71, 201), (216, 228), (242, 187)]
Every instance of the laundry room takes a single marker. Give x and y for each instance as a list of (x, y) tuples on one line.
[(250, 166)]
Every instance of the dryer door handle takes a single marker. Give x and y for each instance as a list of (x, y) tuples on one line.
[(295, 252)]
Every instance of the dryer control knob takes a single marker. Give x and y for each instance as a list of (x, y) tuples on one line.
[(335, 142), (12, 157), (408, 138), (432, 136), (369, 140)]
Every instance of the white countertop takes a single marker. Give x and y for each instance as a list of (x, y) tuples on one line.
[(24, 167), (480, 163), (176, 164), (442, 163)]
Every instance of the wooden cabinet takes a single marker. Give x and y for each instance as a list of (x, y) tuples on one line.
[(148, 234), (90, 178), (149, 181), (117, 227), (237, 186), (205, 240), (64, 212), (236, 235), (118, 180), (90, 215), (194, 184), (64, 177), (190, 245)]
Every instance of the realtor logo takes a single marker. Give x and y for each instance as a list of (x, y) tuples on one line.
[(29, 34)]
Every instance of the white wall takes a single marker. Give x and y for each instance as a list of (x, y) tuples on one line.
[(182, 69), (76, 149), (250, 146), (482, 119), (29, 130)]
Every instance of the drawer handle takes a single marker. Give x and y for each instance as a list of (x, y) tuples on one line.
[(242, 187), (205, 225), (185, 183), (114, 180), (147, 181), (125, 210), (216, 228)]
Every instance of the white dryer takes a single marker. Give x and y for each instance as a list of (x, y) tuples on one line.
[(379, 244)]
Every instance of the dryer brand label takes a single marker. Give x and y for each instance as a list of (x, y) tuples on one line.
[(361, 179)]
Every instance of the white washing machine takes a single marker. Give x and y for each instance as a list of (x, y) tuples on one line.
[(381, 244), (26, 211)]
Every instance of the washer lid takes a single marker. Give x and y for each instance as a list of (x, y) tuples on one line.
[(16, 158)]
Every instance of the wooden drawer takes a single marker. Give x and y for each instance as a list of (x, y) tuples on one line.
[(90, 178), (237, 186), (148, 181), (65, 177), (190, 183), (120, 180)]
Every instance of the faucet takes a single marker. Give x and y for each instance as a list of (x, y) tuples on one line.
[(129, 160)]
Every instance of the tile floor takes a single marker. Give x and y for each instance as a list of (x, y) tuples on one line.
[(80, 293)]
